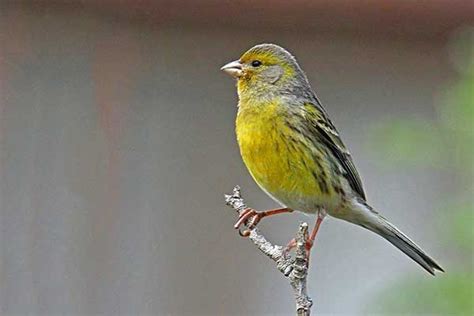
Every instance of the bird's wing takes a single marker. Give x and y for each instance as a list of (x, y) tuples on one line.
[(330, 137)]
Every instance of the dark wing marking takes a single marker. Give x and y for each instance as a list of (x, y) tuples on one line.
[(331, 139)]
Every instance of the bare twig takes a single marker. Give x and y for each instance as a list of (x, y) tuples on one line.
[(294, 269)]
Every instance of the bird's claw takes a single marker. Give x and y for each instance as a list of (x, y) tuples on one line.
[(250, 218), (292, 244), (244, 233)]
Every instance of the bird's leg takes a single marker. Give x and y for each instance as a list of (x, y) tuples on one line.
[(314, 232), (252, 217), (310, 241)]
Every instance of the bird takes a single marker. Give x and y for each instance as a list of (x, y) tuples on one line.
[(295, 154)]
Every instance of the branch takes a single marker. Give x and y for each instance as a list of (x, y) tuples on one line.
[(294, 269)]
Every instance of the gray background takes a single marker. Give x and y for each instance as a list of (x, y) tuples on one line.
[(117, 145)]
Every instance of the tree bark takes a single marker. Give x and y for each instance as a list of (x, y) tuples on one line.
[(295, 269)]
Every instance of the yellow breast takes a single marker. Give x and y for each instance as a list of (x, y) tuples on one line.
[(280, 160)]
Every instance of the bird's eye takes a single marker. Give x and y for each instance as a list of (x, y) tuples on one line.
[(256, 63)]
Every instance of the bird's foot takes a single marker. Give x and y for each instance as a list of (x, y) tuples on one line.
[(292, 244), (251, 218), (309, 241)]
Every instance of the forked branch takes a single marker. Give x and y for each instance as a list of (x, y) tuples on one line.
[(295, 269)]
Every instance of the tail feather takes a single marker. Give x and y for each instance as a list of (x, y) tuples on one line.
[(363, 215), (405, 244)]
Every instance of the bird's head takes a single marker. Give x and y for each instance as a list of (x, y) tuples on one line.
[(265, 69)]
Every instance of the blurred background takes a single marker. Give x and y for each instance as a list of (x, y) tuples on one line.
[(117, 145)]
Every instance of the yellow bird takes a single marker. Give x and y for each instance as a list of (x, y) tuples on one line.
[(294, 152)]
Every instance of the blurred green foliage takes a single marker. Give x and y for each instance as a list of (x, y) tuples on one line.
[(445, 143)]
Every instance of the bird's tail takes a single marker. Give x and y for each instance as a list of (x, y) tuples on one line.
[(362, 214)]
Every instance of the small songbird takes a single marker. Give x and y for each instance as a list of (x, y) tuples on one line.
[(294, 152)]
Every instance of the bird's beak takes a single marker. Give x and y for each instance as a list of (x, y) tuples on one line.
[(233, 68)]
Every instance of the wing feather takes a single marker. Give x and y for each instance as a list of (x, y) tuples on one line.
[(332, 140)]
